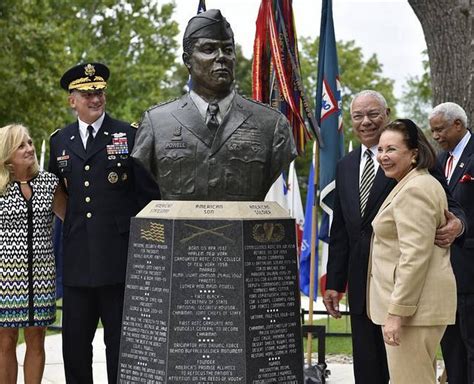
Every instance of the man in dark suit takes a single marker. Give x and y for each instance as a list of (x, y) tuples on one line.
[(448, 122), (213, 144), (91, 158), (351, 233)]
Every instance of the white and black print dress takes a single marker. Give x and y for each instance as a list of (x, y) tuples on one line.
[(27, 270)]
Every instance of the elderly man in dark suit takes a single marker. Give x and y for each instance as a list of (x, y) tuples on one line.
[(213, 144), (448, 122), (361, 188), (105, 188)]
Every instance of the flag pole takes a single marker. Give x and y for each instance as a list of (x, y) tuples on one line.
[(312, 268), (328, 116)]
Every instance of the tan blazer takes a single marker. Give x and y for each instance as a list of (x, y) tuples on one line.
[(408, 274)]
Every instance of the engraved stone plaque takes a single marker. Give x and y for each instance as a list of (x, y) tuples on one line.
[(211, 295)]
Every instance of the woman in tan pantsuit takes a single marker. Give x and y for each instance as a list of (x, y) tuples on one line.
[(411, 286)]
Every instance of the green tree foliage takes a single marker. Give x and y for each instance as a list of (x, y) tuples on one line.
[(418, 97), (355, 73), (31, 60), (243, 73), (39, 40)]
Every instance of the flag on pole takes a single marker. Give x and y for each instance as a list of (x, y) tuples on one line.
[(279, 192), (286, 192), (201, 6), (329, 117), (276, 68), (295, 206), (305, 255)]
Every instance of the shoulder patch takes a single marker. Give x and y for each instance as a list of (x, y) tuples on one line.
[(134, 125), (56, 131)]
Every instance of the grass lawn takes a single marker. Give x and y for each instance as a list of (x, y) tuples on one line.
[(335, 345), (340, 345)]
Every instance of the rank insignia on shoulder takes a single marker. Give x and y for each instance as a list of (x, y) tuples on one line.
[(134, 125)]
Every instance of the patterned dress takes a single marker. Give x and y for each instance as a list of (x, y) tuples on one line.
[(27, 270)]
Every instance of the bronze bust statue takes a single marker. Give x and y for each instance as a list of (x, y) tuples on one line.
[(212, 143)]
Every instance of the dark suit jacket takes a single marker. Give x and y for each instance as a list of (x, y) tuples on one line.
[(349, 244), (102, 196), (250, 149), (462, 255)]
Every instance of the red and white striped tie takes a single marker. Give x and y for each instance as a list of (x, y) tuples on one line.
[(449, 166)]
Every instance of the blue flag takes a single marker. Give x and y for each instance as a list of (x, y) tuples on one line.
[(201, 6), (329, 117), (305, 256)]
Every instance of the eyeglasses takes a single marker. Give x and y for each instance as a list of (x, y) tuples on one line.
[(358, 117)]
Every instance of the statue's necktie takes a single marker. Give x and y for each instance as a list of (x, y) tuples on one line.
[(90, 138), (366, 181), (212, 122)]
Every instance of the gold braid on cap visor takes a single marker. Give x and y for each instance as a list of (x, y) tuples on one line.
[(86, 84)]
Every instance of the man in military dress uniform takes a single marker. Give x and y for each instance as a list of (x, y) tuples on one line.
[(213, 144), (92, 159)]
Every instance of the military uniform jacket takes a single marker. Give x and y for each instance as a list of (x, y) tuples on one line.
[(101, 200), (251, 147)]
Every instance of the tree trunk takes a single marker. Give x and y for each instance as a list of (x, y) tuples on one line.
[(448, 26)]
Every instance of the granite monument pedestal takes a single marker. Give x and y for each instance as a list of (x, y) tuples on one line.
[(211, 295)]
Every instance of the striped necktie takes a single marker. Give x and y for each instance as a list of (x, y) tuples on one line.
[(366, 181), (449, 166)]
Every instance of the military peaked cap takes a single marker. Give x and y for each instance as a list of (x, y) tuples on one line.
[(85, 77), (210, 24)]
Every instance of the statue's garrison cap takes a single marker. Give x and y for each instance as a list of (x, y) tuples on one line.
[(85, 77), (210, 24)]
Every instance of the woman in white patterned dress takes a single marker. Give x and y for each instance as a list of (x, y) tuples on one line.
[(28, 198)]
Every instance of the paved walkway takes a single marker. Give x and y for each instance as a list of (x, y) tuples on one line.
[(54, 371)]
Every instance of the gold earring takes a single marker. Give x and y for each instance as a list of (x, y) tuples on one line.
[(413, 161)]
